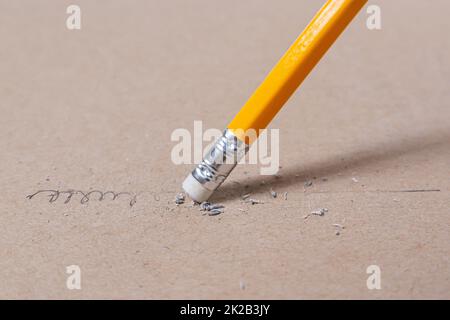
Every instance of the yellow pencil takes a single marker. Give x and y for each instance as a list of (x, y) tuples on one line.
[(270, 96)]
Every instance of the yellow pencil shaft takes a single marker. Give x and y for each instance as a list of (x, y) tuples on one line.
[(294, 66)]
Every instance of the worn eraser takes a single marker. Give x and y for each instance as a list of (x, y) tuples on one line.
[(195, 189)]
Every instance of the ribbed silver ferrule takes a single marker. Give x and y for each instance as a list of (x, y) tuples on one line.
[(220, 161)]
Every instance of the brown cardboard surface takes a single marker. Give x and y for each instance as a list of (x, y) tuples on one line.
[(93, 109)]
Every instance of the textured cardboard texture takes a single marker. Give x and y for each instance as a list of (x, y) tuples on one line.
[(93, 109)]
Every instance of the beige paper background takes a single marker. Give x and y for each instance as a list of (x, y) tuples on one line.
[(94, 109)]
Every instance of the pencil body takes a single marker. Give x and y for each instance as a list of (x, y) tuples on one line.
[(294, 66)]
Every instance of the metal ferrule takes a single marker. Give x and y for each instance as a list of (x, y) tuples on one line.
[(220, 161)]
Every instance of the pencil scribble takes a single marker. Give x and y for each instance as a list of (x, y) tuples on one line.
[(85, 196)]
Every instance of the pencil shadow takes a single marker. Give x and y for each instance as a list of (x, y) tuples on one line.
[(298, 175)]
